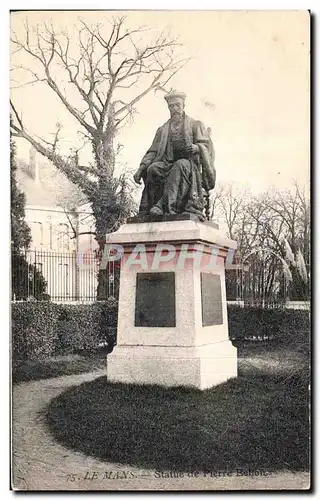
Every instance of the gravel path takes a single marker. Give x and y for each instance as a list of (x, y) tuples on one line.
[(40, 463)]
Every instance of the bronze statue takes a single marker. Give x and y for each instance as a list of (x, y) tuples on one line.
[(178, 170)]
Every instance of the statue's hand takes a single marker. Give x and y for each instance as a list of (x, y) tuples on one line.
[(193, 149), (137, 176)]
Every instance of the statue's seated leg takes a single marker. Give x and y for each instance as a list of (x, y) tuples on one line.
[(156, 176), (155, 171), (177, 187)]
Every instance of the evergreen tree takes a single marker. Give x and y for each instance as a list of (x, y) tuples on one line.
[(20, 231), (26, 279)]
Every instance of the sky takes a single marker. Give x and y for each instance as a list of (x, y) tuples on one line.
[(253, 66)]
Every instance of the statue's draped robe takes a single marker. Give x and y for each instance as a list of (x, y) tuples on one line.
[(175, 180)]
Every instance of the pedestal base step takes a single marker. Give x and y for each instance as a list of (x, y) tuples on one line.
[(200, 367)]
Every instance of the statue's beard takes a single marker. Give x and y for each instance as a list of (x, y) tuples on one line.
[(176, 116)]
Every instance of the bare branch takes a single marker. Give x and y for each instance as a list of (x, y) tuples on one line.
[(71, 224), (154, 85), (45, 64), (17, 117), (88, 186)]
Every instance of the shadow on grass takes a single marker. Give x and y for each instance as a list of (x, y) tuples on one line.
[(25, 371), (257, 421)]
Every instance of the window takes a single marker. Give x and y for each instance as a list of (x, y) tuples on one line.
[(50, 236), (36, 233), (63, 237)]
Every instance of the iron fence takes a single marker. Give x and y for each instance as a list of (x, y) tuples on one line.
[(66, 277), (73, 277)]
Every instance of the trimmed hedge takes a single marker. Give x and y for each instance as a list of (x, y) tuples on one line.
[(42, 329), (85, 326), (34, 329), (282, 326)]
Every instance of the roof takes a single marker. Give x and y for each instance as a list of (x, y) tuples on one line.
[(51, 189)]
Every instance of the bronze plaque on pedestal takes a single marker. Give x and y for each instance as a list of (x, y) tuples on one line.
[(211, 299), (155, 300)]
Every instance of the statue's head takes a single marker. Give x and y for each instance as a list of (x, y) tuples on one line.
[(176, 102)]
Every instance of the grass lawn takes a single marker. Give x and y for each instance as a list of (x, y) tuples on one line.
[(259, 420), (25, 371)]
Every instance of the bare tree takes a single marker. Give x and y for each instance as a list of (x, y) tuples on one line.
[(285, 215), (103, 68), (230, 204), (260, 224)]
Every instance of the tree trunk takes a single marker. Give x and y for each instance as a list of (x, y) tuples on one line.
[(104, 205), (101, 232)]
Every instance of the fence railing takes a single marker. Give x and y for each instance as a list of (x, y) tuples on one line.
[(68, 277), (73, 277)]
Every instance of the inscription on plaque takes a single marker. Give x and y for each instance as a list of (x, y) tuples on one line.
[(211, 299), (155, 300)]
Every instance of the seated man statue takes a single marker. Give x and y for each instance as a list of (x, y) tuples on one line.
[(179, 166)]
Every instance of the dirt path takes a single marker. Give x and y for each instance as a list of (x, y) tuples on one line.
[(40, 463)]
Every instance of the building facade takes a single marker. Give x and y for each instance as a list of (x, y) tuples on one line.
[(62, 230)]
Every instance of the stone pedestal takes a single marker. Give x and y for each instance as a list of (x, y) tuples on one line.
[(172, 319)]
